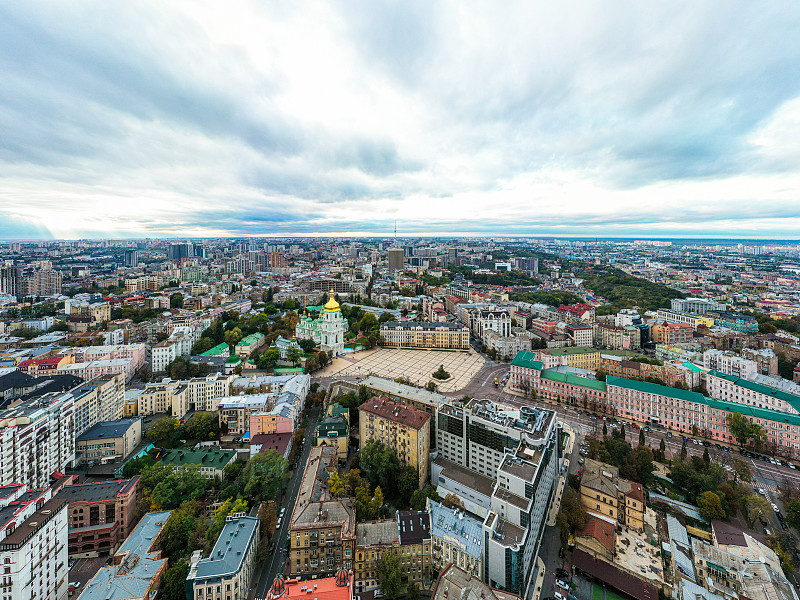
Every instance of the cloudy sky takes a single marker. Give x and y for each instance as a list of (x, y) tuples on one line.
[(188, 119)]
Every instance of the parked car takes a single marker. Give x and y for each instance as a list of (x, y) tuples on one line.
[(559, 596), (562, 583)]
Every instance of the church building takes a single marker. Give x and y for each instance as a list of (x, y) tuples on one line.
[(327, 331)]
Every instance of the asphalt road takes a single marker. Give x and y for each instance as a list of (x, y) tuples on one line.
[(276, 561)]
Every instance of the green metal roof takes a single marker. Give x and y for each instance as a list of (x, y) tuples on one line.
[(573, 350), (654, 388), (572, 379), (217, 350), (691, 366), (528, 360), (336, 425), (253, 337), (766, 414), (792, 399), (207, 457)]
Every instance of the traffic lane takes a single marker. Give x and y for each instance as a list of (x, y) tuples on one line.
[(276, 562)]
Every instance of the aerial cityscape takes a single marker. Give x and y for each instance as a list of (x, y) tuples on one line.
[(399, 301)]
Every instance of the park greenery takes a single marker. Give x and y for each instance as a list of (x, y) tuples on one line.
[(621, 290), (550, 297)]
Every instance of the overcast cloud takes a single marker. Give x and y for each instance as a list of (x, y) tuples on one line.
[(133, 119)]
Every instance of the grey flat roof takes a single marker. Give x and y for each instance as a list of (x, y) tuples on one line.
[(107, 429), (134, 576), (230, 550)]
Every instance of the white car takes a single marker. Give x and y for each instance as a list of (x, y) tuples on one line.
[(775, 508), (562, 584), (559, 596), (762, 491)]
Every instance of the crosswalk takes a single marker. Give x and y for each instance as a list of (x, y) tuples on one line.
[(770, 487)]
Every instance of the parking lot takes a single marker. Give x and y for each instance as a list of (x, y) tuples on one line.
[(82, 570)]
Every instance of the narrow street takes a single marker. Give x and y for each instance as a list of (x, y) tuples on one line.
[(276, 561)]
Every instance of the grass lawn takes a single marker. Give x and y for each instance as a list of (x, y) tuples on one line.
[(597, 592)]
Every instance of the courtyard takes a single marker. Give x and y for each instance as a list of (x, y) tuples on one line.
[(415, 365)]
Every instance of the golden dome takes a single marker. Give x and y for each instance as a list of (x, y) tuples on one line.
[(332, 305)]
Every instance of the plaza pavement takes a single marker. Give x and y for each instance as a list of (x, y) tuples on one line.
[(417, 366)]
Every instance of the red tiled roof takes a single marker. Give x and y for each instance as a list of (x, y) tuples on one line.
[(602, 531), (399, 413)]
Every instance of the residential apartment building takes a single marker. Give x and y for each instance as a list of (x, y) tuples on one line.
[(765, 358), (136, 352), (454, 582), (626, 337), (137, 567), (729, 363), (373, 540), (438, 335), (322, 529), (33, 544), (456, 538), (226, 574), (695, 320), (108, 441), (101, 399), (581, 335), (733, 320), (416, 548), (178, 397), (100, 515), (100, 368), (401, 427), (608, 496), (50, 420), (671, 333)]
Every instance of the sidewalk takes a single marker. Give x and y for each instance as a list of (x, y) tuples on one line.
[(537, 585)]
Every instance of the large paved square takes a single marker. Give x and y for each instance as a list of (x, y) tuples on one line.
[(415, 365)]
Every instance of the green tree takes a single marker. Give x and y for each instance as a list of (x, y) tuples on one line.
[(307, 345), (453, 501), (412, 591), (135, 466), (407, 484), (227, 508), (363, 394), (293, 355), (184, 483), (263, 475), (390, 575), (382, 466), (160, 432), (419, 498), (269, 359), (706, 456), (684, 451), (710, 506), (202, 426), (563, 529), (744, 430), (173, 585), (233, 336), (573, 509), (202, 345), (742, 470), (176, 300), (756, 508), (642, 440), (793, 513)]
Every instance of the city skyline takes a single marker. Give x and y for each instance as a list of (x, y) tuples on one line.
[(333, 119)]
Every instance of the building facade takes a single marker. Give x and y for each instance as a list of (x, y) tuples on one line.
[(436, 335), (401, 427)]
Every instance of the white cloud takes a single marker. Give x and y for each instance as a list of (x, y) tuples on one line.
[(256, 118)]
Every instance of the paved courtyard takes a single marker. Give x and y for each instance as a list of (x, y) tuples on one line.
[(415, 365)]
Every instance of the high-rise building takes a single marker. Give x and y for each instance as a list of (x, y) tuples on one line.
[(396, 260), (131, 258), (11, 280), (179, 251)]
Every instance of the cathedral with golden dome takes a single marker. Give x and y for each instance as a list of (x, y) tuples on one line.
[(327, 331)]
